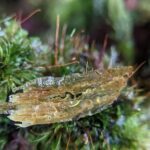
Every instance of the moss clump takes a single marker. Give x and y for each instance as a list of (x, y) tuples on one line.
[(16, 57), (116, 128)]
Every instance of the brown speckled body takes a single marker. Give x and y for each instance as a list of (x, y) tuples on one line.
[(48, 100)]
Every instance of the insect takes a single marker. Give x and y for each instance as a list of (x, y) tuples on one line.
[(50, 99)]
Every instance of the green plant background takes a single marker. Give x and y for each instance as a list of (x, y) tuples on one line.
[(124, 125)]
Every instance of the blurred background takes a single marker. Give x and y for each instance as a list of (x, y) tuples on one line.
[(126, 23), (94, 31)]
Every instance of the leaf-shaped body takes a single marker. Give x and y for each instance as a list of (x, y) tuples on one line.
[(58, 99)]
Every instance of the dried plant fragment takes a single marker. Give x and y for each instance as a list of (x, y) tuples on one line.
[(57, 99)]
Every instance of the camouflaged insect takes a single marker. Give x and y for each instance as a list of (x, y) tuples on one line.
[(49, 100)]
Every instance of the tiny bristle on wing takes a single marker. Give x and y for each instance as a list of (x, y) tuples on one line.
[(44, 100)]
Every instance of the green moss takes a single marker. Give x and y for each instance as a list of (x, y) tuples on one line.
[(16, 57), (116, 128)]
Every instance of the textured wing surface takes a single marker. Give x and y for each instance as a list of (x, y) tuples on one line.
[(49, 99)]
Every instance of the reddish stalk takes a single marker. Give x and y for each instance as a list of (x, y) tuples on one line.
[(30, 15), (57, 40), (45, 68)]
